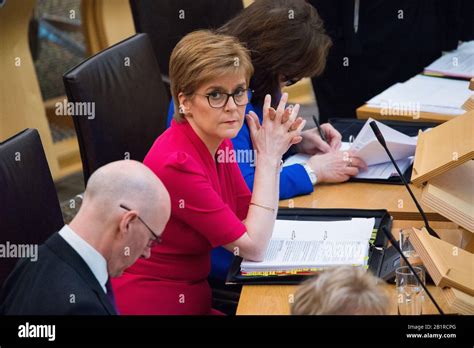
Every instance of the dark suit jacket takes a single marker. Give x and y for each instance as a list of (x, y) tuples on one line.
[(59, 282)]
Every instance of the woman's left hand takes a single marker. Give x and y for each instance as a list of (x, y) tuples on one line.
[(312, 143)]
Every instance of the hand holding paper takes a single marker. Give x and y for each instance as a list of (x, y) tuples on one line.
[(367, 148)]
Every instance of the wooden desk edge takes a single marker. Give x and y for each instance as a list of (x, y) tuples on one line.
[(365, 111)]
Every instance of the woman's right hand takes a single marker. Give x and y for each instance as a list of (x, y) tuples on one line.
[(336, 166), (280, 129)]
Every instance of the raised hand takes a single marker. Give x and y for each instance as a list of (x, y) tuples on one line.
[(280, 128)]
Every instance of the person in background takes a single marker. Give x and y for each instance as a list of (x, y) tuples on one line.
[(211, 205), (341, 291), (381, 42), (116, 224), (287, 42)]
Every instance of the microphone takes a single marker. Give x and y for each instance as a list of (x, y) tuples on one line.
[(395, 245), (381, 139)]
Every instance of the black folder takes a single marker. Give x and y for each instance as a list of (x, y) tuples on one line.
[(350, 126), (376, 249)]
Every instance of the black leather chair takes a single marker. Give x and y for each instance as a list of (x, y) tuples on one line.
[(30, 210), (167, 21), (130, 100)]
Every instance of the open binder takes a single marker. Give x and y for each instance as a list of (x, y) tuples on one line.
[(351, 127), (377, 247)]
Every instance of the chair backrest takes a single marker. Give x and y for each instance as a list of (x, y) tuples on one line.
[(125, 101), (167, 21), (30, 210)]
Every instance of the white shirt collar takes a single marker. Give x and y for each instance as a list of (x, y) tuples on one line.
[(91, 256)]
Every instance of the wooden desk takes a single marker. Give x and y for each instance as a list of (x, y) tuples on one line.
[(394, 198), (364, 112), (276, 299)]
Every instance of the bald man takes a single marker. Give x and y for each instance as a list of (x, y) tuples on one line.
[(124, 212)]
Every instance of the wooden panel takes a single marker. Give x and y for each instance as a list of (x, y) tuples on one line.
[(452, 195), (105, 23), (394, 198), (446, 267), (21, 104), (469, 104), (447, 230), (301, 93), (444, 147)]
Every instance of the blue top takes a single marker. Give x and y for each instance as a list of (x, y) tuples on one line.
[(294, 181)]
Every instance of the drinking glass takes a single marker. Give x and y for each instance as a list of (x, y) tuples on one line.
[(409, 290)]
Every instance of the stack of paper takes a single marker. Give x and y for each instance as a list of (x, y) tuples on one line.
[(366, 147), (423, 93), (308, 246), (458, 63), (458, 301), (452, 195)]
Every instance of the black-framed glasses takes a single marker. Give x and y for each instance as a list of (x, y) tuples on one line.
[(218, 99), (156, 238), (290, 82)]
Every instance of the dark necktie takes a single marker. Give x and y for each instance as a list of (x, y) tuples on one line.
[(110, 294)]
